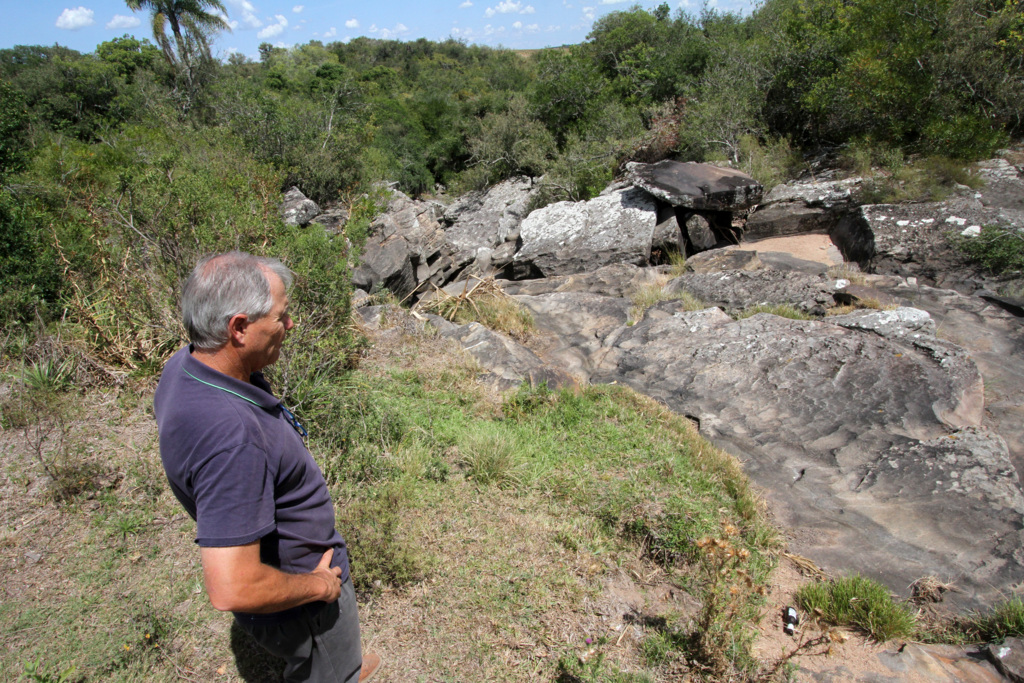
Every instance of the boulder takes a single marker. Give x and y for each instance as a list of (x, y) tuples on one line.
[(800, 207), (699, 233), (296, 209), (618, 280), (696, 186), (787, 218), (574, 237), (668, 237), (333, 219), (917, 240)]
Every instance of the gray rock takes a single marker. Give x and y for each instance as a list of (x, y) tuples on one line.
[(737, 290), (916, 240), (1008, 657), (718, 260), (296, 209), (699, 233), (899, 322), (807, 406), (696, 186), (820, 194), (333, 219), (509, 363), (568, 237), (667, 235), (481, 222), (787, 218), (618, 280)]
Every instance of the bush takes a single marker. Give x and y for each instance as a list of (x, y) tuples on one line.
[(998, 248)]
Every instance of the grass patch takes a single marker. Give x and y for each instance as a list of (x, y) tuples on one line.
[(645, 296), (1005, 620), (781, 310), (857, 602)]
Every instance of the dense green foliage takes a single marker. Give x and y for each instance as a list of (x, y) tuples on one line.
[(138, 157)]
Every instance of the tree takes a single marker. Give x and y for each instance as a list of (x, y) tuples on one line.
[(192, 25)]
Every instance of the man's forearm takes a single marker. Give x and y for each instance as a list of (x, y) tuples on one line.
[(236, 581)]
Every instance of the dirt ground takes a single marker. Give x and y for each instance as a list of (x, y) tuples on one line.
[(807, 247)]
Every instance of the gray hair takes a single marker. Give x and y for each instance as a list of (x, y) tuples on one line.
[(222, 286)]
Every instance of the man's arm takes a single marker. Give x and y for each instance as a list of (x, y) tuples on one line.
[(237, 581)]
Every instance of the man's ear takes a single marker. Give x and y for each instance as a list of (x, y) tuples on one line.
[(237, 326)]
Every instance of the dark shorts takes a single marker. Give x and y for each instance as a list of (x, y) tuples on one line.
[(321, 645)]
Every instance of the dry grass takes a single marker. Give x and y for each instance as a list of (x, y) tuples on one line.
[(482, 300), (645, 296)]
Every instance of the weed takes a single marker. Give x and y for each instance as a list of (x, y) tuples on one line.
[(781, 310), (857, 602), (38, 673), (849, 272)]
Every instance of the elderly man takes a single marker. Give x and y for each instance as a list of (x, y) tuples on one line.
[(236, 460)]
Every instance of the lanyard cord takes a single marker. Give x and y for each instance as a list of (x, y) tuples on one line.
[(292, 420)]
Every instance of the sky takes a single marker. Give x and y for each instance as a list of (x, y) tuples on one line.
[(518, 24)]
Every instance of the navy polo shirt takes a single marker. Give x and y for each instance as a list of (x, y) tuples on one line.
[(241, 470)]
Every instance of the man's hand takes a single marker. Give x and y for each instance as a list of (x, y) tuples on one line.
[(237, 581), (330, 575)]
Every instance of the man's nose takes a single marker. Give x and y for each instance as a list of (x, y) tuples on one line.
[(289, 323)]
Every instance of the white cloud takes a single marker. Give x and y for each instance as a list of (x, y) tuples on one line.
[(123, 21), (247, 13), (74, 19), (389, 33), (533, 27), (332, 33), (517, 25), (588, 12), (613, 2), (466, 4), (274, 30), (352, 23), (298, 8), (508, 7)]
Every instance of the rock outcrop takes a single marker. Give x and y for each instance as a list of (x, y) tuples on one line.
[(873, 434)]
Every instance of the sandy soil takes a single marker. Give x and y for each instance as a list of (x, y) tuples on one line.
[(808, 247)]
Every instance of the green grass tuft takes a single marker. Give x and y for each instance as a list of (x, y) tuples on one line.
[(857, 602)]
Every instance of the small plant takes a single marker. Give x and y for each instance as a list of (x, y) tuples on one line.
[(781, 310), (492, 454), (728, 587), (38, 673), (1005, 620), (49, 375), (860, 603)]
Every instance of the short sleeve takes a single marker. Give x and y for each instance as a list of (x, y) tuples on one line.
[(234, 493)]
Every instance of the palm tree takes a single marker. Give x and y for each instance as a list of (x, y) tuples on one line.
[(193, 23)]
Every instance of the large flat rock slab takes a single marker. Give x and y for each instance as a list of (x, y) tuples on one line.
[(701, 187)]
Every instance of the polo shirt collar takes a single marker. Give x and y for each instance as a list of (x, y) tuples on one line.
[(244, 390)]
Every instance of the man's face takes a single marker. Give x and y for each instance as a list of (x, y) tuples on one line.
[(265, 336)]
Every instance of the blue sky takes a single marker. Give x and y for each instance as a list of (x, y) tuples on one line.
[(522, 24)]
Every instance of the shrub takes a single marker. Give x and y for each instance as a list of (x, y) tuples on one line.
[(998, 248)]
